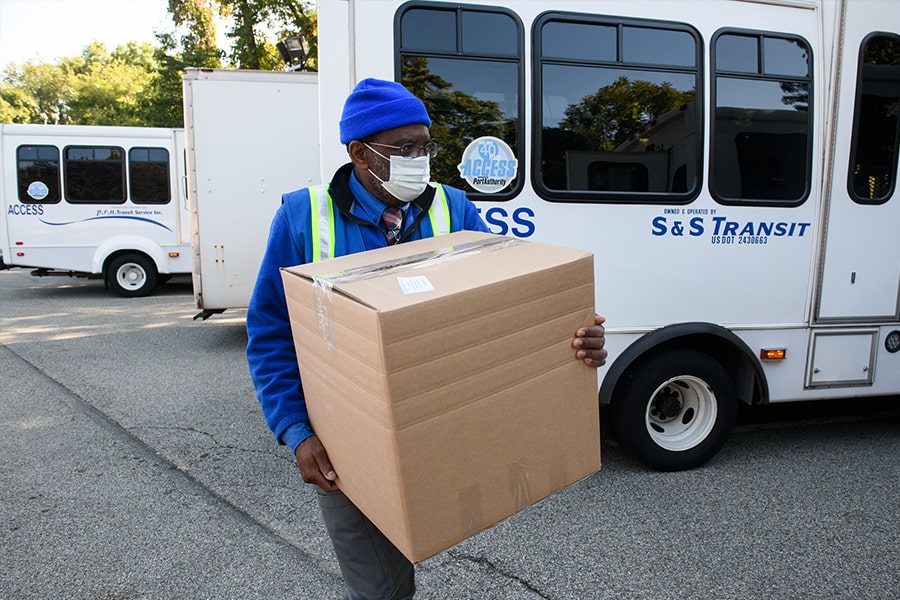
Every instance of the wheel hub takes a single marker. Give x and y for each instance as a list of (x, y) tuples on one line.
[(667, 404), (681, 413)]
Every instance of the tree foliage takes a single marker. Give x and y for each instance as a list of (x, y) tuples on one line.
[(457, 117), (107, 88), (38, 93), (141, 84), (608, 117)]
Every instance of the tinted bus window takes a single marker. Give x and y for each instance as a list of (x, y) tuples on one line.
[(37, 169), (617, 110), (876, 126), (94, 174), (761, 138), (464, 63), (148, 170)]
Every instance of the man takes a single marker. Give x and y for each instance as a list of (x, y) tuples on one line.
[(385, 130)]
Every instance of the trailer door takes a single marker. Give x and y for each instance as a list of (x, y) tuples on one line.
[(861, 269), (179, 194)]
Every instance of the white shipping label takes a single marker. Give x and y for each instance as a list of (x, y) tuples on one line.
[(415, 285)]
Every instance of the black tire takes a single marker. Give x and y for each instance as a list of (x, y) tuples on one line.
[(674, 409), (131, 275)]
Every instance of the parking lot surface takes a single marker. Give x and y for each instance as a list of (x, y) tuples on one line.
[(135, 463)]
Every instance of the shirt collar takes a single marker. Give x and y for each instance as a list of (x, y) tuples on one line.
[(370, 206)]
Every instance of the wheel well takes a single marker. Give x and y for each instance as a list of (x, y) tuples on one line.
[(714, 340), (119, 253)]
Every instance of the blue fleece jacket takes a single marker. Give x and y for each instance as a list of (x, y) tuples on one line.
[(270, 347)]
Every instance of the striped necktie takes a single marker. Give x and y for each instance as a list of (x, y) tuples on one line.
[(392, 217)]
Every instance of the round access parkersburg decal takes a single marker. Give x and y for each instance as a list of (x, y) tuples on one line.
[(488, 164), (37, 190)]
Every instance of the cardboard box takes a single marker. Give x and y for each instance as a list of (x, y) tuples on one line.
[(440, 376)]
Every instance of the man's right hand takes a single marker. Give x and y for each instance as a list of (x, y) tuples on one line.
[(314, 465)]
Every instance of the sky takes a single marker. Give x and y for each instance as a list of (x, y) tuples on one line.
[(44, 30)]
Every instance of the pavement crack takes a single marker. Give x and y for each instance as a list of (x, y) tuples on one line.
[(492, 568)]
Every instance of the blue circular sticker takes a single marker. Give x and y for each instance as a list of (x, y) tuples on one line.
[(488, 164), (38, 190)]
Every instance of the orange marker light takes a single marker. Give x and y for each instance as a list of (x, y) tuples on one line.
[(772, 353)]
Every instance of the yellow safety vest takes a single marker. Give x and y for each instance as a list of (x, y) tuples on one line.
[(323, 219)]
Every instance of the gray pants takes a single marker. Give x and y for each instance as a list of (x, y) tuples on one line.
[(372, 567)]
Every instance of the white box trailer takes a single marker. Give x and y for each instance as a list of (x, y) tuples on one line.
[(251, 136), (94, 201)]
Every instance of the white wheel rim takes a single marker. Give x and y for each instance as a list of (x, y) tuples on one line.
[(681, 413), (131, 276)]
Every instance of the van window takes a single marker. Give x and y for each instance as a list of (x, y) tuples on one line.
[(94, 174), (617, 108), (465, 64), (761, 141), (37, 171), (148, 170), (876, 126)]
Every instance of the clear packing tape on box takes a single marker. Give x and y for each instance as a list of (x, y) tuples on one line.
[(324, 285)]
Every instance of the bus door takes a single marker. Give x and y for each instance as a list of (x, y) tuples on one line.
[(860, 278)]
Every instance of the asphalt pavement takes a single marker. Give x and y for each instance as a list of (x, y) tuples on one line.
[(135, 464)]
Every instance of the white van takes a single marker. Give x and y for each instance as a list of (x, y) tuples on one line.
[(91, 201)]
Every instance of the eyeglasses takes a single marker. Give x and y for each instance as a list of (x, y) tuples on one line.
[(411, 150)]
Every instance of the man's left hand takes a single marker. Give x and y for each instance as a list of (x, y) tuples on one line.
[(589, 343)]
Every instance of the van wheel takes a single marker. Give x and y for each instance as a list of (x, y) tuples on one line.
[(131, 275), (674, 409)]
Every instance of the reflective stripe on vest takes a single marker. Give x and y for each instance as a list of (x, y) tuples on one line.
[(439, 213), (322, 214)]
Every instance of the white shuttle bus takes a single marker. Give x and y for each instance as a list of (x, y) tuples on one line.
[(92, 201), (732, 164)]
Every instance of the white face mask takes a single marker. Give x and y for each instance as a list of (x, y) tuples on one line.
[(409, 176)]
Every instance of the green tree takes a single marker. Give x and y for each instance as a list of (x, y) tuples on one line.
[(195, 22), (108, 88), (251, 19), (15, 104), (608, 117), (43, 93), (299, 19), (253, 26), (457, 117), (249, 49), (138, 84), (192, 44)]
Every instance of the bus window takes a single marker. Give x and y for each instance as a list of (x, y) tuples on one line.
[(148, 171), (876, 126), (464, 63), (761, 131), (37, 169), (94, 174), (617, 110)]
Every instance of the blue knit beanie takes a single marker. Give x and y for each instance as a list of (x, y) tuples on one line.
[(376, 105)]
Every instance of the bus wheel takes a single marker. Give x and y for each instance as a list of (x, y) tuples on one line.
[(131, 275), (674, 409)]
